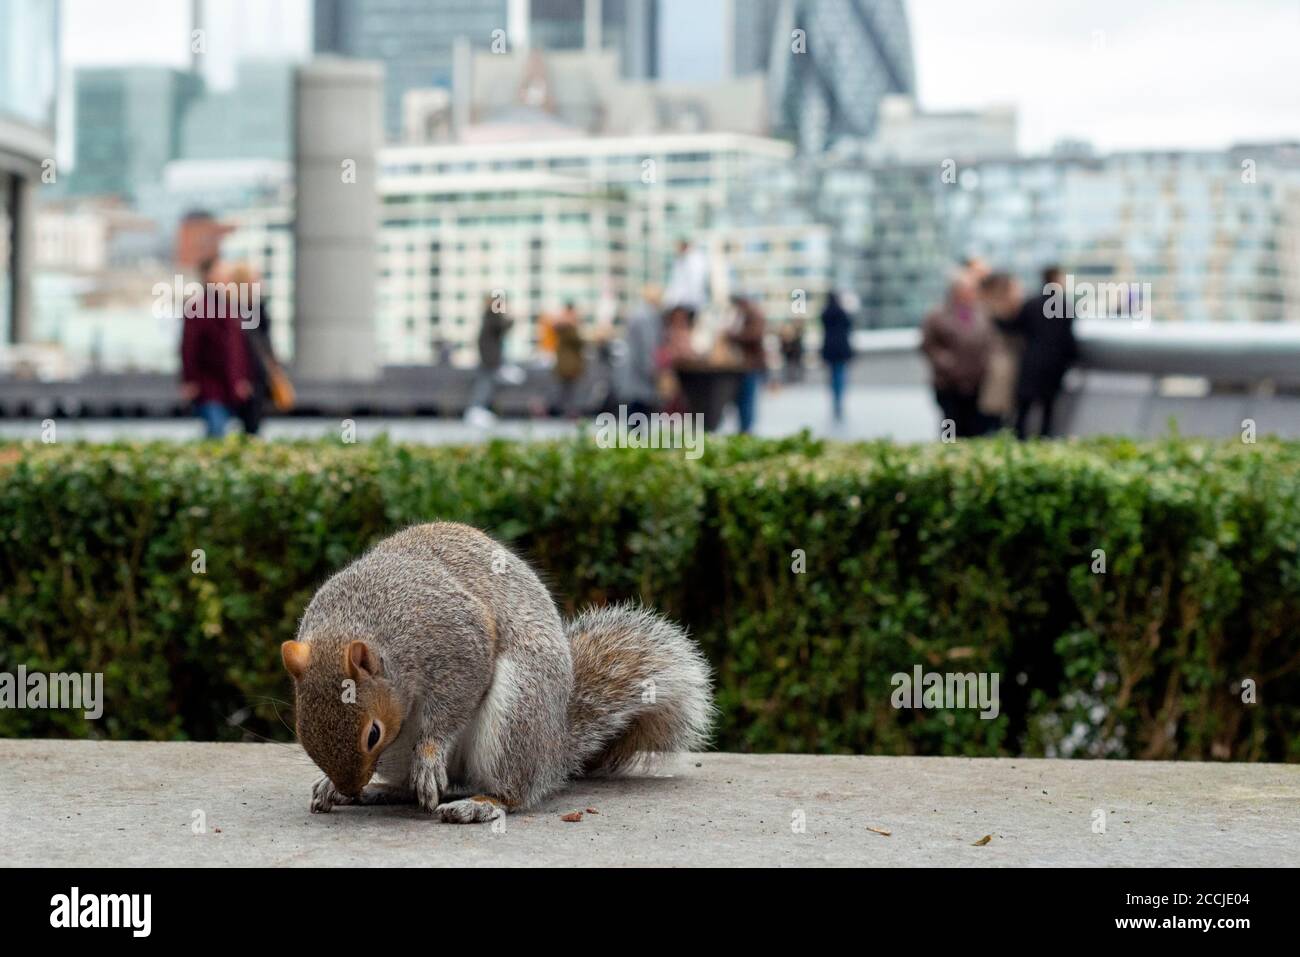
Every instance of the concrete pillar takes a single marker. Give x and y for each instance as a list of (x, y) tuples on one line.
[(462, 85), (22, 209), (591, 26), (337, 133), (640, 42)]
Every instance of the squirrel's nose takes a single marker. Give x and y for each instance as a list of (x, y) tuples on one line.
[(354, 787)]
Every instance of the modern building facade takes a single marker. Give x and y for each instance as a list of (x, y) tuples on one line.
[(416, 40), (1216, 234), (565, 24), (587, 220), (128, 125), (545, 222), (413, 39), (905, 134), (528, 94), (251, 120), (632, 28), (749, 27), (832, 62), (866, 190), (29, 72)]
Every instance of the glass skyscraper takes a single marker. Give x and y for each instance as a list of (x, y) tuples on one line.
[(627, 26), (129, 122), (831, 62), (412, 38)]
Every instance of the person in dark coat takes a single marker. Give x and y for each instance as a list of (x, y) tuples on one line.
[(570, 361), (747, 336), (214, 357), (1049, 351), (836, 350), (792, 351), (260, 354), (955, 340), (491, 352)]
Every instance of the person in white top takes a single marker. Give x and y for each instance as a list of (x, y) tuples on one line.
[(688, 282)]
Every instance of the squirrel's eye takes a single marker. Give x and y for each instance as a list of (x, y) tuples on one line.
[(375, 733)]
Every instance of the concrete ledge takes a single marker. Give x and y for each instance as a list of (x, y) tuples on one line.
[(78, 803)]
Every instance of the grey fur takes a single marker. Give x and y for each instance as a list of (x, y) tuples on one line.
[(494, 694), (642, 687)]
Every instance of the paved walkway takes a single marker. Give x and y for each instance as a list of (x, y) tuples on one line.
[(97, 803), (902, 413)]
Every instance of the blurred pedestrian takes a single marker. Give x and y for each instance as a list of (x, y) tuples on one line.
[(214, 357), (570, 360), (955, 339), (1050, 350), (1002, 297), (675, 348), (636, 381), (493, 327), (976, 269), (792, 351), (260, 358), (688, 281), (836, 350), (747, 335)]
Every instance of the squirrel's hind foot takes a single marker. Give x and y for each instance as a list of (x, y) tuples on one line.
[(473, 810)]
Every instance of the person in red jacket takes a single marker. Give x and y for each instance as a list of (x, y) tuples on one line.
[(214, 358)]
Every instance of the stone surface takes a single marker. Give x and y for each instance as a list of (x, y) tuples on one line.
[(81, 803)]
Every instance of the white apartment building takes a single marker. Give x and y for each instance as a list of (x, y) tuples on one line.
[(586, 220)]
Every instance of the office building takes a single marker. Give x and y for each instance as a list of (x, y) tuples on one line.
[(749, 25), (906, 134), (128, 125), (29, 73), (550, 221), (856, 187), (1216, 234), (626, 28), (250, 121), (413, 39), (832, 62), (534, 93), (416, 39)]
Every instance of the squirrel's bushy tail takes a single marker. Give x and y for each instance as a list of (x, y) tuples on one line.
[(640, 686)]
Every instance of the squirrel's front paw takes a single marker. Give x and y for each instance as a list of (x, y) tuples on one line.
[(428, 780), (324, 795)]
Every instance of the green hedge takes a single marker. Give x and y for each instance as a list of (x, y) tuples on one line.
[(971, 557)]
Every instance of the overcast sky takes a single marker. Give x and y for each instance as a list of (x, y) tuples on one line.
[(1123, 74)]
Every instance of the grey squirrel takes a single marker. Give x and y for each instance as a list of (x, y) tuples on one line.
[(438, 662)]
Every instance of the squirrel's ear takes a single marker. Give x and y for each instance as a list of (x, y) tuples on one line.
[(361, 660), (296, 654)]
